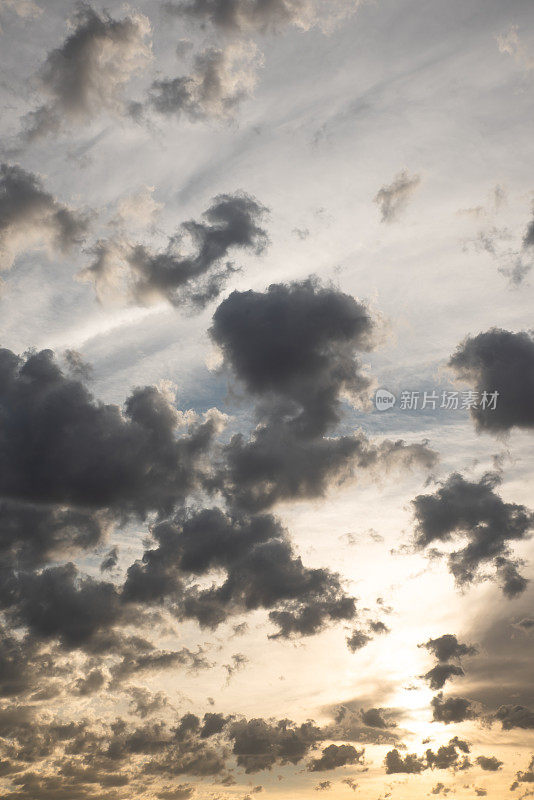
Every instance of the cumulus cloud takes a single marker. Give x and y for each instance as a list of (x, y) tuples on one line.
[(87, 74), (472, 511), (489, 763), (452, 709), (88, 454), (142, 276), (260, 567), (219, 81), (295, 350), (502, 361), (31, 217), (335, 756), (246, 16), (394, 198), (297, 342), (524, 776), (448, 647), (515, 717), (450, 756)]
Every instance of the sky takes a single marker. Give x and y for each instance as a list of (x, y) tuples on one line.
[(266, 399)]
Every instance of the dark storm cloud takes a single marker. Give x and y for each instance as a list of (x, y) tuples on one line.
[(502, 361), (393, 199), (232, 221), (260, 567), (472, 510), (220, 79), (336, 756), (448, 647), (31, 217), (60, 446), (489, 763), (88, 72), (452, 709)]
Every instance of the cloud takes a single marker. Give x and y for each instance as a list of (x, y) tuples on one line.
[(30, 217), (441, 673), (260, 568), (247, 16), (143, 277), (499, 361), (88, 454), (297, 342), (411, 764), (489, 763), (452, 709), (515, 717), (509, 43), (449, 756), (294, 349), (447, 647), (473, 511), (87, 74), (336, 756), (528, 240), (357, 640), (260, 744), (394, 198), (220, 80), (526, 776)]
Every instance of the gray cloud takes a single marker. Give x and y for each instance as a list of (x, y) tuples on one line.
[(143, 276), (31, 217), (472, 510), (87, 74), (449, 756), (261, 571), (220, 79), (394, 198), (524, 776), (336, 756), (243, 16), (447, 647), (294, 348), (61, 446), (489, 763), (501, 361), (515, 717), (452, 709), (298, 343)]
